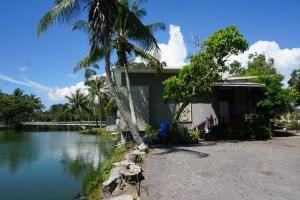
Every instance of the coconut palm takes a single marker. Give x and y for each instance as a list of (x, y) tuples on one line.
[(18, 92), (103, 17), (97, 92), (78, 103), (130, 37)]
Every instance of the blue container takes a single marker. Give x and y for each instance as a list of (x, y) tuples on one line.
[(164, 129)]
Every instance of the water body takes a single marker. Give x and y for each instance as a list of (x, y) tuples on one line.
[(49, 165)]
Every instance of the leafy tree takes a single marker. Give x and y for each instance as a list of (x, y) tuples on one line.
[(294, 82), (17, 107), (276, 100), (205, 68), (60, 112)]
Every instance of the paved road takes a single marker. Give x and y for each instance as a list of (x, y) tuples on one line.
[(260, 170)]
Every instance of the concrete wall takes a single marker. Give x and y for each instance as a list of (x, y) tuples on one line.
[(159, 111), (201, 109), (140, 95)]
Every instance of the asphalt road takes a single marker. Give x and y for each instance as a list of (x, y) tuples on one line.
[(259, 170)]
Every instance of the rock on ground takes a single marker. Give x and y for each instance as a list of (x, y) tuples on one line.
[(132, 174)]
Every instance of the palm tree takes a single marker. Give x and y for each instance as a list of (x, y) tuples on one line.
[(97, 91), (18, 92), (78, 103), (103, 17), (130, 37)]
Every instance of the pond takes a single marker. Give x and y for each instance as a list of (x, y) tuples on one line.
[(49, 165)]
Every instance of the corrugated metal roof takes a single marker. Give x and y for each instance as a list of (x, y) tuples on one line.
[(239, 84)]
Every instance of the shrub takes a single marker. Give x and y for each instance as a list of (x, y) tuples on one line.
[(293, 126), (183, 135), (95, 131), (259, 126), (151, 134)]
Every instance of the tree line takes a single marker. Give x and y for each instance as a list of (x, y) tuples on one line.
[(95, 106)]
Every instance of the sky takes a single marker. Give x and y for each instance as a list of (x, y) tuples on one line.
[(43, 66)]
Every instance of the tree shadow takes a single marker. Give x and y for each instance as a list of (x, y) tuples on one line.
[(174, 149), (282, 133)]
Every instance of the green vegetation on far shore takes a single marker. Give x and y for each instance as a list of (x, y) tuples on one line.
[(95, 131)]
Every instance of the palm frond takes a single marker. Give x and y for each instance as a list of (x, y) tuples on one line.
[(140, 33), (89, 73), (156, 27), (102, 17), (91, 59), (81, 25), (151, 61), (139, 12), (64, 11)]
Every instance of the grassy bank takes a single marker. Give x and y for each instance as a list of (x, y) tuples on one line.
[(94, 187), (95, 131)]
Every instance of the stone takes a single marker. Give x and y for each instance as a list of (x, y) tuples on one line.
[(132, 174), (134, 155), (143, 147), (114, 178), (123, 197), (115, 133), (123, 164)]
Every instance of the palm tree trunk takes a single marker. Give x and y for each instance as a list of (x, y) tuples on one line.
[(96, 119), (121, 106), (131, 106), (100, 114)]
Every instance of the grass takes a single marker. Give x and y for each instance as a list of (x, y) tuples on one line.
[(95, 131), (94, 187)]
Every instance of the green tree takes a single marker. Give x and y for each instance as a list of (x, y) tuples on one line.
[(294, 82), (17, 107), (78, 103), (97, 92), (277, 99), (205, 68), (130, 37), (103, 17), (59, 112)]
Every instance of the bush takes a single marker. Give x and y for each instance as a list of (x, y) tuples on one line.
[(151, 134), (293, 126), (95, 131), (259, 126), (183, 135), (176, 135)]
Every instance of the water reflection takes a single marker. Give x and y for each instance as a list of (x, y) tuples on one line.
[(14, 151), (62, 161)]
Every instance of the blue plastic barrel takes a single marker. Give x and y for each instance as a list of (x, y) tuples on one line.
[(164, 129)]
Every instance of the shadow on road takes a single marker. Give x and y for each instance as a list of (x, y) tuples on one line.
[(282, 133), (175, 149)]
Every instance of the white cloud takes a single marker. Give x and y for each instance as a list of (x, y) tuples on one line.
[(174, 53), (55, 94), (59, 94), (285, 59), (25, 82)]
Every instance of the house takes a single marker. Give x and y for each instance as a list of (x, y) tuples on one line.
[(228, 102)]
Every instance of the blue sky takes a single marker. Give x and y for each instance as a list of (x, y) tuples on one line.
[(45, 65)]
